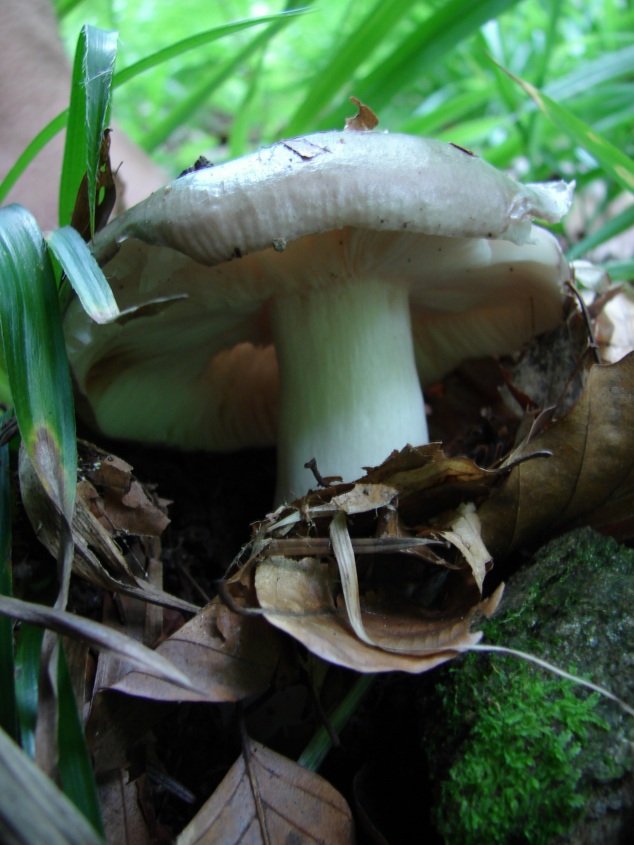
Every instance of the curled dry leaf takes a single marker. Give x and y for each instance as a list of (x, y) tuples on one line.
[(464, 534), (588, 478), (266, 798), (344, 572), (297, 598), (110, 504)]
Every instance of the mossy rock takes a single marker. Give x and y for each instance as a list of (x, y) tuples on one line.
[(519, 755)]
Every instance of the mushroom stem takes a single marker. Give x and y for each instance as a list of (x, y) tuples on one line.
[(349, 389)]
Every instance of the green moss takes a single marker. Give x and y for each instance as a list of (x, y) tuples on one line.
[(517, 779)]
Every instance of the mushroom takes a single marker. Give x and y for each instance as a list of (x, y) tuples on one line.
[(321, 281)]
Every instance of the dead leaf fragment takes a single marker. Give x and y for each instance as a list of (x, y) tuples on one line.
[(122, 817), (100, 518), (227, 656), (615, 326), (364, 120), (106, 194), (266, 799), (588, 479), (464, 534)]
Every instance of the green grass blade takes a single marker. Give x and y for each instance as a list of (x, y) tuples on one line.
[(199, 40), (454, 108), (75, 768), (344, 60), (613, 227), (84, 274), (615, 163), (88, 115), (35, 355), (32, 808), (64, 7), (27, 680), (201, 93), (621, 271), (427, 46), (8, 710), (592, 73), (320, 744), (37, 144)]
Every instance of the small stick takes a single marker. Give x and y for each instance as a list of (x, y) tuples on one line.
[(312, 466)]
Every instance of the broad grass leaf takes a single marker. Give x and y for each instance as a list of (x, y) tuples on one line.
[(227, 656), (27, 671), (421, 49), (35, 355), (87, 119), (32, 808), (213, 77), (588, 480), (266, 798), (97, 635), (346, 56), (616, 163), (84, 274), (37, 144), (200, 39)]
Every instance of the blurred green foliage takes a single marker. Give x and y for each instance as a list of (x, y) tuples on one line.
[(430, 67), (424, 66)]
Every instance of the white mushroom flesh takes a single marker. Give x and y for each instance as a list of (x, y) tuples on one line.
[(371, 262)]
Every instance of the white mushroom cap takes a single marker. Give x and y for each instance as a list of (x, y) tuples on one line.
[(370, 260)]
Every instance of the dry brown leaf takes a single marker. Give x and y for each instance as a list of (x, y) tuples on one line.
[(464, 533), (106, 194), (589, 478), (364, 120), (408, 603), (297, 598), (428, 482), (266, 799), (100, 517), (575, 469), (615, 326), (227, 656), (137, 620), (122, 817)]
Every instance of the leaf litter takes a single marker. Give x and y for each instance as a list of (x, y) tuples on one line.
[(389, 572)]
